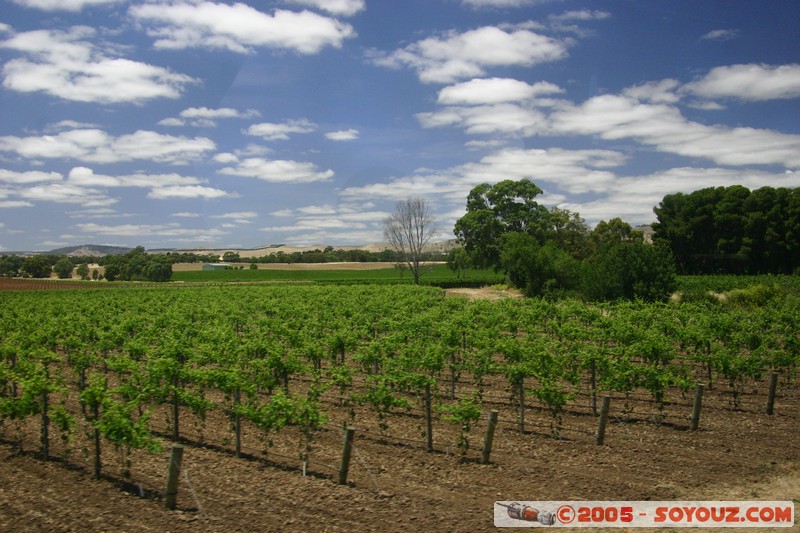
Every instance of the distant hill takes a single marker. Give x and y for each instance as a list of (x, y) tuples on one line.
[(90, 250)]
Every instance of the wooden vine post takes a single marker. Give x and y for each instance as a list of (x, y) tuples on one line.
[(698, 404), (773, 388), (601, 425), (428, 417), (489, 438), (344, 465), (173, 475)]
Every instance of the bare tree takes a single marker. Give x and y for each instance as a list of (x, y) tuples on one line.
[(409, 229)]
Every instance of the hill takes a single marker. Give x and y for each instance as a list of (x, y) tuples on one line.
[(90, 250)]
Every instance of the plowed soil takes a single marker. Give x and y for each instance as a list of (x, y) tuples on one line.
[(394, 484)]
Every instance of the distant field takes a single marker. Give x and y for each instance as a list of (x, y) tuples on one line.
[(193, 267), (438, 273)]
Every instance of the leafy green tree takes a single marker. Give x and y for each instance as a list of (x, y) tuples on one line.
[(612, 233), (37, 266), (629, 271), (83, 271), (10, 265), (494, 210), (570, 232), (63, 268), (538, 269), (457, 261), (732, 230)]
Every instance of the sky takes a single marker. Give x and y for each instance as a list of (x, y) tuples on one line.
[(204, 123)]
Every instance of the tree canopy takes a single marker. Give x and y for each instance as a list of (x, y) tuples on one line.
[(552, 252), (732, 230)]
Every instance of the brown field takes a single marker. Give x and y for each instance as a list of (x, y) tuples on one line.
[(188, 267), (396, 485)]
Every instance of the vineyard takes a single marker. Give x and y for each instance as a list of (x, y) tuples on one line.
[(260, 381)]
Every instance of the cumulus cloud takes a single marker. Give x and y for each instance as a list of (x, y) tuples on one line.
[(498, 3), (64, 5), (488, 119), (280, 132), (574, 171), (342, 135), (662, 126), (344, 8), (66, 64), (31, 176), (454, 56), (203, 117), (277, 170), (97, 146), (152, 230), (237, 215), (180, 24), (633, 197), (720, 35), (326, 223), (494, 91), (188, 191), (749, 82), (66, 193)]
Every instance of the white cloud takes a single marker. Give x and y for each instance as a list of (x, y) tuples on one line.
[(355, 222), (662, 126), (203, 117), (239, 28), (237, 215), (505, 119), (67, 65), (344, 8), (455, 56), (720, 35), (633, 198), (494, 91), (10, 204), (96, 146), (574, 171), (151, 230), (31, 176), (342, 135), (186, 214), (66, 193), (580, 15), (278, 171), (280, 132), (64, 5), (86, 177), (69, 125), (657, 92), (749, 82), (188, 191), (498, 3), (326, 209)]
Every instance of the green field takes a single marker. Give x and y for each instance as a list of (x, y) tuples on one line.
[(438, 275)]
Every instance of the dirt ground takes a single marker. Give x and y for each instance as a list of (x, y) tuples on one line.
[(396, 485), (188, 267)]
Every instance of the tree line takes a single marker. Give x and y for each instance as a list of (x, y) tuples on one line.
[(732, 230), (553, 253), (136, 265)]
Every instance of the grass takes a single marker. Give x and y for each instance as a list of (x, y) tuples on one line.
[(435, 275)]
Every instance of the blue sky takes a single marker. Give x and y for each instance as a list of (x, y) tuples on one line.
[(185, 123)]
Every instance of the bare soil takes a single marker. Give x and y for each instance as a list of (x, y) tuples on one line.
[(395, 484), (188, 267), (484, 293)]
